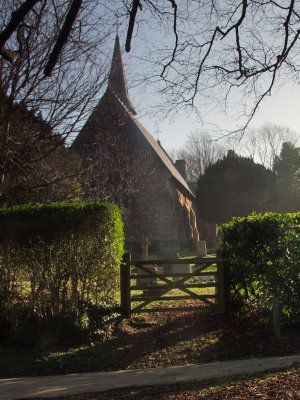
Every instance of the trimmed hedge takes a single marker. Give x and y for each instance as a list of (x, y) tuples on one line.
[(263, 253), (57, 262)]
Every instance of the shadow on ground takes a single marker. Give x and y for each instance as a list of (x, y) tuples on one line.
[(158, 340)]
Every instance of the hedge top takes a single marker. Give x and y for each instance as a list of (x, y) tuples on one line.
[(28, 221)]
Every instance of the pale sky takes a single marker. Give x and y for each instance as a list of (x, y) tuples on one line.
[(281, 108)]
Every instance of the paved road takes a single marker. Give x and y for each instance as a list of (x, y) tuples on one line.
[(63, 385)]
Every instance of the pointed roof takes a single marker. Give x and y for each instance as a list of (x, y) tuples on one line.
[(160, 152), (117, 81), (118, 91)]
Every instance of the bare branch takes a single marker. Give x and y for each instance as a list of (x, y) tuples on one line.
[(132, 15), (63, 36), (174, 5), (16, 18)]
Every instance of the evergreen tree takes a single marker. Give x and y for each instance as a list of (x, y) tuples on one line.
[(287, 171), (234, 186)]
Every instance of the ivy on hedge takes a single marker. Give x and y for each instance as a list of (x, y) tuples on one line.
[(264, 261), (55, 259)]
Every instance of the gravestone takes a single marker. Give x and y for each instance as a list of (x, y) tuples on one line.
[(145, 248), (201, 248), (148, 280), (178, 268)]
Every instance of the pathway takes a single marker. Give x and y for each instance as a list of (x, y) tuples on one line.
[(64, 385)]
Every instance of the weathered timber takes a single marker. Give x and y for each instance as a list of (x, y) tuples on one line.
[(125, 285), (177, 275), (220, 289), (168, 283), (161, 287), (167, 298), (196, 260)]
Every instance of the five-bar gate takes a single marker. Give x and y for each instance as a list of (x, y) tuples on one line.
[(205, 273)]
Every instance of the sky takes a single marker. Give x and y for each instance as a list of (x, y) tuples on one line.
[(281, 108)]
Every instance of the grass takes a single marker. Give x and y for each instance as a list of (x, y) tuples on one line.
[(16, 361)]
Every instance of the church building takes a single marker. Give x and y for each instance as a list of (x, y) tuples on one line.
[(162, 207)]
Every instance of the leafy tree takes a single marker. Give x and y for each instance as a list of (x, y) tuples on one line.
[(234, 186), (287, 171), (263, 261)]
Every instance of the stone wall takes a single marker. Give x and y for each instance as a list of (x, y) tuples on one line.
[(153, 213), (161, 212), (160, 208)]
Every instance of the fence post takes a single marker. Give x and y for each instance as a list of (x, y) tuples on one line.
[(125, 285), (221, 288), (276, 317)]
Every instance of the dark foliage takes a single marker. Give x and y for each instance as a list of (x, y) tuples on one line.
[(234, 186), (287, 170), (264, 262), (35, 166)]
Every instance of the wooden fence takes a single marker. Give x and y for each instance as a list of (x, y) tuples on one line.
[(155, 282)]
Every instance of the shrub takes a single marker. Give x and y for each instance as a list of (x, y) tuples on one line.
[(264, 261), (56, 258)]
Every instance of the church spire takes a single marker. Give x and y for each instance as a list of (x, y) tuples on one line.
[(117, 82)]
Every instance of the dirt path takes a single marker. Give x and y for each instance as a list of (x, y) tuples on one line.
[(170, 339), (158, 340)]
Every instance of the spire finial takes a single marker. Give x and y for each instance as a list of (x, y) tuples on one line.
[(117, 15), (157, 131)]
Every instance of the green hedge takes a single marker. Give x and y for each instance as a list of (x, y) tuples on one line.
[(57, 261), (264, 261)]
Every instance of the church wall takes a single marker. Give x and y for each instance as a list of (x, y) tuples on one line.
[(157, 211), (153, 214), (160, 209)]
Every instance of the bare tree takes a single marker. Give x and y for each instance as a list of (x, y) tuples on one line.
[(38, 114), (218, 51), (225, 48), (66, 98), (200, 151), (112, 169), (34, 164), (264, 144)]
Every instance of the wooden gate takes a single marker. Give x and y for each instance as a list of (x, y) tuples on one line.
[(161, 282)]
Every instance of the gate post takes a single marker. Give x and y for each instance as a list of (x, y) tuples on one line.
[(221, 288), (221, 284), (125, 285)]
